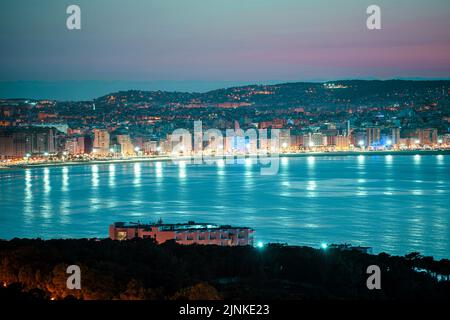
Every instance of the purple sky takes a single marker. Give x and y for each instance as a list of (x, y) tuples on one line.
[(223, 40)]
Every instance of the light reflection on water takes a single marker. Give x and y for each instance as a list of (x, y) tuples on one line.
[(396, 204)]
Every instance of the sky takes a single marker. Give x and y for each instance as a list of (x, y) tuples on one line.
[(198, 45)]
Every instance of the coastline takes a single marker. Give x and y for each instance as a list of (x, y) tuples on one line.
[(184, 158)]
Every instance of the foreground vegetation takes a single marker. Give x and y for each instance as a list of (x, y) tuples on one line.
[(141, 269)]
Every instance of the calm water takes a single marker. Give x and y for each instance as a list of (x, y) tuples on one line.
[(396, 204)]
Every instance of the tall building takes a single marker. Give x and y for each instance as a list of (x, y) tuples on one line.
[(150, 147), (342, 142), (78, 145), (372, 136), (395, 138), (315, 140), (101, 140), (427, 136), (349, 130), (126, 146), (17, 142)]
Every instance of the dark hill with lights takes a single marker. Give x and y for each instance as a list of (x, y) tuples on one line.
[(329, 94)]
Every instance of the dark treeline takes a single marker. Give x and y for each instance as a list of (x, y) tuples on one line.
[(141, 269)]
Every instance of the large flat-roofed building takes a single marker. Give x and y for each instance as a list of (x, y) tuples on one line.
[(184, 233), (16, 142)]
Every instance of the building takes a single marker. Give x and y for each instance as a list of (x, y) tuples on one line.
[(78, 145), (372, 136), (18, 142), (296, 141), (395, 138), (314, 140), (126, 146), (341, 142), (101, 140), (427, 136), (185, 233), (150, 147)]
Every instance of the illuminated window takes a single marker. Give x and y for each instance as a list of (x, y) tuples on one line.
[(121, 235)]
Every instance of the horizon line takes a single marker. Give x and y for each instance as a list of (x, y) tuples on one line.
[(136, 85)]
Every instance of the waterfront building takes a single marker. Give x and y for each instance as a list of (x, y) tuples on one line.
[(150, 147), (427, 136), (395, 137), (296, 141), (78, 145), (101, 140), (341, 142), (372, 136), (184, 233), (18, 142), (126, 146), (315, 140)]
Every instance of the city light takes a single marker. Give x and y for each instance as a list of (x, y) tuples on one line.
[(311, 144), (324, 246), (417, 141), (440, 141), (46, 154), (137, 149), (361, 143), (284, 145), (260, 244), (220, 163), (389, 142)]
